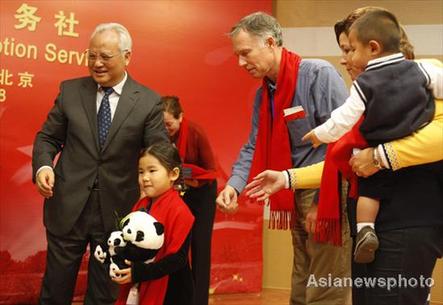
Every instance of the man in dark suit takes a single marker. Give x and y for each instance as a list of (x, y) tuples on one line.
[(98, 125)]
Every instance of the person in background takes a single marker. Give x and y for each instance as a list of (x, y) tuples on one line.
[(167, 280), (200, 189), (98, 124), (391, 89), (296, 95), (411, 150), (424, 146)]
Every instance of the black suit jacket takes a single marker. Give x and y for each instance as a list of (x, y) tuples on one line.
[(71, 129)]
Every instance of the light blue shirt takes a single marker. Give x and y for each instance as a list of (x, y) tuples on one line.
[(320, 89)]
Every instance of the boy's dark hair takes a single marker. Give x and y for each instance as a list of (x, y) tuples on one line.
[(342, 26), (172, 105), (357, 13), (168, 156), (381, 26)]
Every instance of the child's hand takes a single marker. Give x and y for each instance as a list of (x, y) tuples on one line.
[(310, 136), (125, 275)]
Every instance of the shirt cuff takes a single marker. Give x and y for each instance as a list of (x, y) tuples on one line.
[(285, 174), (237, 183), (382, 155), (41, 168)]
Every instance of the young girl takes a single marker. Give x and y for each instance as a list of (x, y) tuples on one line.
[(168, 280)]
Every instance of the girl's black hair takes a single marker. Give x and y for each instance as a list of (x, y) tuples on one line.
[(168, 156)]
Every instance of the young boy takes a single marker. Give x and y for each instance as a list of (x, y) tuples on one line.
[(394, 96)]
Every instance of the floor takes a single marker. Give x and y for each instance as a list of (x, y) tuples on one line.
[(266, 297)]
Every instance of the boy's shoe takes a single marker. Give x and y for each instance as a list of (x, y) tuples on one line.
[(365, 245)]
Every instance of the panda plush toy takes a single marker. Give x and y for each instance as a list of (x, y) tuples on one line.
[(139, 240), (106, 254)]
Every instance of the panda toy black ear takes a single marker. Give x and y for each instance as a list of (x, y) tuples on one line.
[(125, 223), (159, 228)]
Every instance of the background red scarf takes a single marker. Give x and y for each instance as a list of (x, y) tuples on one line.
[(328, 227), (273, 147), (182, 138), (198, 172), (170, 210)]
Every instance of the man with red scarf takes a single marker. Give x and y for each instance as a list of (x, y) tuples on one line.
[(296, 95)]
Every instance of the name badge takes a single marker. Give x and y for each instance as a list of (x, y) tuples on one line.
[(293, 113)]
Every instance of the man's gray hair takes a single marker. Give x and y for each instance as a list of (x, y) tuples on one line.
[(125, 41), (261, 25)]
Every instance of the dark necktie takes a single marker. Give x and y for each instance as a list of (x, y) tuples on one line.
[(104, 116)]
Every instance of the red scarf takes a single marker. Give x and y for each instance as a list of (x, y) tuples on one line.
[(273, 147), (328, 228), (182, 138), (170, 210), (198, 172)]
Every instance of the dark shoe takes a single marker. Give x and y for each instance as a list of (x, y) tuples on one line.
[(365, 245)]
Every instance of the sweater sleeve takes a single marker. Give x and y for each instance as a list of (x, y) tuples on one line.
[(308, 177), (423, 146), (433, 71), (167, 265), (205, 152)]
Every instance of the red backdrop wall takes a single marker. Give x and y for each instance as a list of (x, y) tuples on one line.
[(180, 48)]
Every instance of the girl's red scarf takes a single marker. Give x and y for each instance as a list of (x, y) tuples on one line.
[(273, 147), (198, 172), (170, 210), (328, 228)]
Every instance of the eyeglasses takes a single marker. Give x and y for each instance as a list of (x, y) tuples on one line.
[(103, 57)]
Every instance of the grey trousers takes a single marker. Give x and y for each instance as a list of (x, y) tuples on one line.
[(64, 256), (315, 262)]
